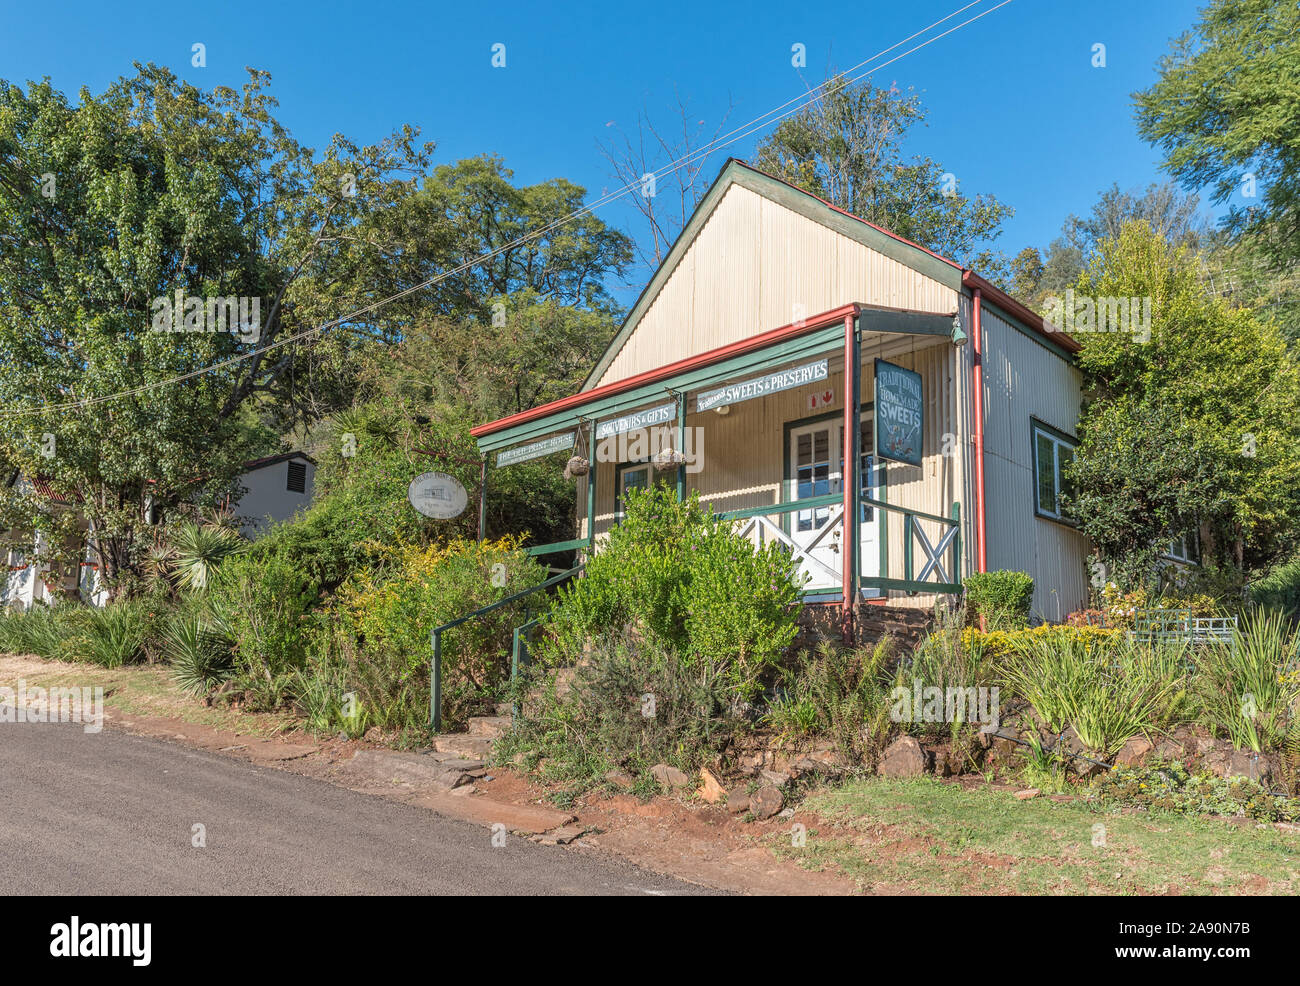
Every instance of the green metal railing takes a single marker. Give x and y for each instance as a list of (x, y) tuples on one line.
[(435, 635)]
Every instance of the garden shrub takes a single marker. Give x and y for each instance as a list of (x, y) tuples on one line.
[(263, 604), (1108, 690), (697, 590), (389, 611), (199, 654), (1121, 608), (631, 704), (841, 693), (950, 657), (1002, 599), (1000, 643), (51, 632), (1279, 589), (115, 635), (1171, 787)]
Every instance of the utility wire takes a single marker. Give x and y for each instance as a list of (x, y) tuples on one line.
[(784, 110)]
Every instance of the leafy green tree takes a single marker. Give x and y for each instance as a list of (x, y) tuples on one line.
[(847, 147), (155, 195), (1194, 429), (1226, 114)]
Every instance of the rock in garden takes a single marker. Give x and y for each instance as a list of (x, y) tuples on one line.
[(1028, 794), (1133, 752), (669, 776), (903, 758), (620, 779), (738, 799), (1215, 760), (710, 790), (766, 802), (1168, 749), (777, 778), (943, 763), (1242, 763)]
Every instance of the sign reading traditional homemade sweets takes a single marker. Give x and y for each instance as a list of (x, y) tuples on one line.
[(899, 409)]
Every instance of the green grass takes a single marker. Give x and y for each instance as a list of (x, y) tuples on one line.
[(141, 690), (928, 837)]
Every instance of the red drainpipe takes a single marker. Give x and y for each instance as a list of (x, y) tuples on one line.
[(977, 382), (846, 473)]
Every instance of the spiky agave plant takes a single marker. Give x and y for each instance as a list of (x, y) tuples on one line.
[(199, 657), (200, 549)]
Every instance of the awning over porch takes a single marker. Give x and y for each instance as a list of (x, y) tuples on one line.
[(812, 337)]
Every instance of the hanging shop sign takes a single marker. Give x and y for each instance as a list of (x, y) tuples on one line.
[(535, 450), (640, 419), (437, 495), (772, 383), (899, 413)]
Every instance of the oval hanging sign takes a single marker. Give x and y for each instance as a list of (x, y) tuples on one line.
[(437, 495)]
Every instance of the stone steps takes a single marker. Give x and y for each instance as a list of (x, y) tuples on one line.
[(464, 745), (493, 727)]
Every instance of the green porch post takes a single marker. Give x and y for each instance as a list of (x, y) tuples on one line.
[(681, 445), (482, 499)]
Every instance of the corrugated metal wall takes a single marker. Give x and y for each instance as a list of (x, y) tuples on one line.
[(1022, 379)]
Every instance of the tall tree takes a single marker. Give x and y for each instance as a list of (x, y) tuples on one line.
[(846, 146), (1226, 114), (1191, 430), (154, 196), (666, 170)]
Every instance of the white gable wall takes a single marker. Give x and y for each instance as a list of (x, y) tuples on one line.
[(268, 498), (755, 266)]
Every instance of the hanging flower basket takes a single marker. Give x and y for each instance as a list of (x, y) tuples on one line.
[(576, 466)]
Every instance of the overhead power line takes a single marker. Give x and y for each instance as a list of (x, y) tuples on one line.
[(788, 108)]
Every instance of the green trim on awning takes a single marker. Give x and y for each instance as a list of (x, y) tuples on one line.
[(819, 341)]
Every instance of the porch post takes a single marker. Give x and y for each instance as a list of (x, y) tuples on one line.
[(681, 445), (849, 476), (482, 499), (591, 489)]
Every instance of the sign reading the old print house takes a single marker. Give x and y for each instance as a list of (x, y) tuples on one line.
[(772, 383), (437, 495), (535, 450), (899, 409), (648, 418)]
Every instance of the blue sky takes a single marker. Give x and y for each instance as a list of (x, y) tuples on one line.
[(1015, 106)]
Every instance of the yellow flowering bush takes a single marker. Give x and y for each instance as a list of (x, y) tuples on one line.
[(998, 643), (389, 611), (1121, 607)]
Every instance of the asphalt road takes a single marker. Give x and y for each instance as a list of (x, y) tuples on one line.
[(111, 813)]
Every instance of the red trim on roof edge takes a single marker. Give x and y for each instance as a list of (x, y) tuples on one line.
[(1027, 315), (672, 369)]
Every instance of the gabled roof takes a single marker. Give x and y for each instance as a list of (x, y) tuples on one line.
[(913, 255), (271, 460)]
